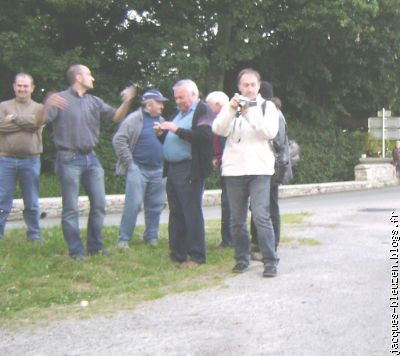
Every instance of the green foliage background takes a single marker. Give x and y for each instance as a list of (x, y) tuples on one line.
[(333, 63)]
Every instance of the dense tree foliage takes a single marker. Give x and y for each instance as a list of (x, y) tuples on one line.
[(331, 61)]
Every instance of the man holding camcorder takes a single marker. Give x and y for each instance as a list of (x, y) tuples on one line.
[(247, 165)]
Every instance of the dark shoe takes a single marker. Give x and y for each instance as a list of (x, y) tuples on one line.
[(270, 271), (189, 264), (223, 246), (174, 259), (240, 267)]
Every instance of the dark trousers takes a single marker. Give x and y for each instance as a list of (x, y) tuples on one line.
[(255, 188), (186, 222), (225, 216), (275, 217)]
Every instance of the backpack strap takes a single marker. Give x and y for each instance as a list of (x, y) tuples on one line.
[(270, 141), (263, 107)]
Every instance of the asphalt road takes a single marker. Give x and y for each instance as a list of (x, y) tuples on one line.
[(331, 297)]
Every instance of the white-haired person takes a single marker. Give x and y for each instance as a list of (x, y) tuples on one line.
[(216, 100), (187, 152)]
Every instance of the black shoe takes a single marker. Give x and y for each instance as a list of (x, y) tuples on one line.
[(240, 267), (223, 246), (270, 271), (176, 260)]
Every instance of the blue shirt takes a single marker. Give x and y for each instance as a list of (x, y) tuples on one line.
[(148, 149), (176, 149)]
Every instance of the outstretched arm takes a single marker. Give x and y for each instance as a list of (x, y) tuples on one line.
[(127, 95), (52, 101)]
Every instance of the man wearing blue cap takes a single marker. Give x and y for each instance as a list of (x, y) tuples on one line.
[(140, 160)]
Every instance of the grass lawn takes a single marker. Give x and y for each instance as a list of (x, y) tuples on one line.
[(39, 282)]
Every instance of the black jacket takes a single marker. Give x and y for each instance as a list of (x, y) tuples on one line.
[(201, 140)]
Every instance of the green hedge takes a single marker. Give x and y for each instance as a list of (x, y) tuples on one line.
[(328, 153)]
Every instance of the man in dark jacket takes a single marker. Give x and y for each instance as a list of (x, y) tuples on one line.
[(188, 156)]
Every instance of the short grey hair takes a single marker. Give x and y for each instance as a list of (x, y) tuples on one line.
[(248, 71), (218, 97), (189, 84), (23, 74)]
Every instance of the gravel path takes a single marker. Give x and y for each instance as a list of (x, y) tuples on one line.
[(328, 299)]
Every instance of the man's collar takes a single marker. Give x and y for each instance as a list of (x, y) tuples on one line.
[(23, 101), (75, 93), (144, 112), (191, 108), (194, 105)]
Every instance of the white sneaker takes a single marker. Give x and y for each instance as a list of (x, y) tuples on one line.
[(152, 243), (123, 244)]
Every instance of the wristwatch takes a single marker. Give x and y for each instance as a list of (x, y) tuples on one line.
[(13, 118)]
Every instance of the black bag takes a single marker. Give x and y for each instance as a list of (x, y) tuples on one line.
[(287, 152)]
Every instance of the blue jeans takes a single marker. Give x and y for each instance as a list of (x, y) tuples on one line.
[(186, 222), (257, 188), (145, 187), (26, 171), (72, 169)]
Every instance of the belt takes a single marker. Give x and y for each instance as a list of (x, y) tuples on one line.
[(76, 150)]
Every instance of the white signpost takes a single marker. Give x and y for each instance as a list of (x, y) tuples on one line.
[(384, 127)]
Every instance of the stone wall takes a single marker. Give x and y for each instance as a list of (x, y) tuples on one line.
[(375, 169), (51, 207)]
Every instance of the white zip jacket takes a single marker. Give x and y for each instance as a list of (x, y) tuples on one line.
[(247, 150)]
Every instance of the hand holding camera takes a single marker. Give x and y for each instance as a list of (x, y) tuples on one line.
[(242, 103), (246, 102)]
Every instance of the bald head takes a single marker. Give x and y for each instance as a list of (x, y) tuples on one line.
[(80, 78)]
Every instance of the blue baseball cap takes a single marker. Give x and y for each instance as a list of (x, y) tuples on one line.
[(153, 94)]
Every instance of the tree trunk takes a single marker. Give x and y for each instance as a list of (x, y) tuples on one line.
[(216, 70)]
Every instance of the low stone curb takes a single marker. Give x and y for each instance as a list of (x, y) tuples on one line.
[(51, 207)]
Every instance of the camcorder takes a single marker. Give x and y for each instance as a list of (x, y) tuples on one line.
[(246, 103)]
